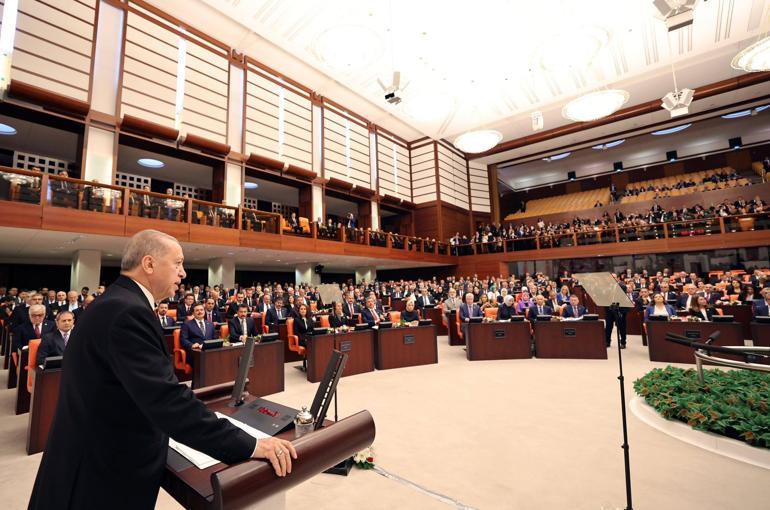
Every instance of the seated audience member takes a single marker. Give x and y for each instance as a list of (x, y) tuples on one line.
[(264, 304), (410, 315), (525, 302), (701, 309), (659, 307), (240, 299), (276, 314), (507, 309), (350, 308), (59, 304), (293, 223), (186, 308), (369, 314), (761, 308), (553, 302), (425, 299), (337, 319), (468, 309), (303, 324), (563, 295), (574, 310), (195, 331), (242, 326), (211, 312), (166, 321), (485, 303), (644, 300), (452, 302), (54, 342), (747, 295), (35, 328), (539, 309)]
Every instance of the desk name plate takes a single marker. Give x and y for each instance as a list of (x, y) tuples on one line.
[(499, 333), (408, 339), (570, 332), (346, 346), (692, 334)]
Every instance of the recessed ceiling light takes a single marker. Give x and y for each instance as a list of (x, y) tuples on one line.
[(595, 105), (151, 163), (557, 157), (671, 130), (7, 130), (251, 185), (608, 145), (474, 142), (736, 115)]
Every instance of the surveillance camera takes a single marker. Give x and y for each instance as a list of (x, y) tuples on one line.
[(392, 98)]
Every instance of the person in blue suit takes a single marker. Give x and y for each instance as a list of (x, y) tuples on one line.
[(195, 331), (761, 307), (539, 309), (574, 309)]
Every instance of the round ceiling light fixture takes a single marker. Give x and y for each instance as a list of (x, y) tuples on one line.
[(251, 185), (6, 130), (557, 157), (573, 49), (671, 130), (474, 142), (754, 58), (608, 145), (151, 163), (595, 105), (347, 48)]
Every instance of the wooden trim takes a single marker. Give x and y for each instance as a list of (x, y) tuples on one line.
[(439, 218), (142, 127), (365, 192), (413, 143), (341, 110), (205, 145), (470, 198), (267, 70), (47, 99), (401, 141), (302, 173), (339, 184), (720, 87)]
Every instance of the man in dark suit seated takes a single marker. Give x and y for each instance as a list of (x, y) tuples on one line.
[(35, 328), (264, 304), (63, 193), (539, 309), (166, 321), (276, 313), (194, 332), (293, 223), (761, 308), (232, 308), (58, 305), (242, 326), (54, 342), (507, 309), (369, 314), (688, 298), (350, 308), (467, 311), (574, 310), (210, 311), (425, 299), (185, 309)]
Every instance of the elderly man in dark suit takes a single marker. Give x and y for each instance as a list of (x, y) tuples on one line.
[(574, 310), (120, 399), (55, 341), (539, 309), (37, 326)]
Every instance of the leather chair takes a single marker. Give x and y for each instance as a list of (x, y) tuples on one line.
[(294, 342), (324, 321), (491, 312), (34, 345), (459, 325), (224, 331), (180, 355), (172, 313), (395, 316)]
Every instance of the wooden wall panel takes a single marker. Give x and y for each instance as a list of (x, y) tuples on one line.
[(423, 174), (479, 191), (453, 177), (53, 45), (394, 173), (454, 220), (346, 148), (205, 93), (426, 221)]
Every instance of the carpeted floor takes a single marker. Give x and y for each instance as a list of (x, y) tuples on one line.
[(525, 434)]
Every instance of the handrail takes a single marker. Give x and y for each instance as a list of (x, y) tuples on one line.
[(94, 184)]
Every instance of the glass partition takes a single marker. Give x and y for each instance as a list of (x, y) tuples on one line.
[(84, 195), (747, 222), (20, 186), (213, 215), (147, 204), (258, 221)]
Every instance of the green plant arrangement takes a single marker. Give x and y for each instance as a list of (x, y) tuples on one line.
[(733, 403), (365, 458)]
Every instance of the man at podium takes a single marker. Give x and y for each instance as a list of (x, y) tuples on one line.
[(120, 400)]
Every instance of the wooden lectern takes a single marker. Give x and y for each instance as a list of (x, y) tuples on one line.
[(245, 485)]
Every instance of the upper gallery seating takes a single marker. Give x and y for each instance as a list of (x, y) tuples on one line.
[(561, 203)]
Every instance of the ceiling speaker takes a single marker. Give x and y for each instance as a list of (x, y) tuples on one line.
[(735, 143), (671, 156), (617, 166), (571, 176)]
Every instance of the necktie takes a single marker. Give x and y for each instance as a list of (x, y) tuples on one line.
[(163, 321), (279, 313), (574, 311), (374, 314), (202, 327), (37, 331), (66, 337), (540, 310), (243, 326), (209, 317)]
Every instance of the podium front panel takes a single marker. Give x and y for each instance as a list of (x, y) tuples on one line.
[(406, 347), (498, 340), (660, 349), (570, 339)]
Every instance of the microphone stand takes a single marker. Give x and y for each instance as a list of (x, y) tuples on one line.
[(616, 310)]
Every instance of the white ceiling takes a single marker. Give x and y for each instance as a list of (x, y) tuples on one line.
[(32, 246), (480, 60), (707, 136), (175, 169), (39, 139)]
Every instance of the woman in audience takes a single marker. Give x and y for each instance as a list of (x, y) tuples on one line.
[(302, 325), (747, 295), (563, 295), (337, 318), (734, 289), (410, 315), (525, 301), (659, 307), (701, 309), (291, 304), (484, 302)]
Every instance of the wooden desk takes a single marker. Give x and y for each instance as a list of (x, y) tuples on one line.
[(662, 350), (760, 334), (22, 394), (634, 320), (570, 339), (743, 315), (437, 316), (45, 395), (242, 485), (359, 346), (405, 347), (216, 366), (454, 337), (498, 340)]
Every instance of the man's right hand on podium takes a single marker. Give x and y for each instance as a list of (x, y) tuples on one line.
[(278, 451)]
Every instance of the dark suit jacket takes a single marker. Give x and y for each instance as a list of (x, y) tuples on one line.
[(118, 404), (696, 313), (466, 313), (301, 328), (681, 302), (234, 325), (52, 345), (182, 311), (505, 312), (272, 316), (191, 333), (408, 316), (215, 317), (533, 315), (26, 332), (349, 310), (421, 302), (368, 317), (337, 322), (568, 312), (761, 309)]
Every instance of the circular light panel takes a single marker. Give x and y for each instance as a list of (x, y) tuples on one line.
[(608, 145), (573, 49), (151, 163), (347, 48), (557, 157), (737, 115), (595, 105), (754, 58), (671, 130), (250, 185), (7, 130), (474, 142)]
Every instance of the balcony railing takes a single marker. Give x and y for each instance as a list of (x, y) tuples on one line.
[(625, 234)]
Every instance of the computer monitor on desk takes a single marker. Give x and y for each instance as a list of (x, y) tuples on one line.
[(243, 370)]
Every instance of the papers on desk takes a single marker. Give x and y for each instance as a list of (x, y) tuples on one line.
[(203, 461)]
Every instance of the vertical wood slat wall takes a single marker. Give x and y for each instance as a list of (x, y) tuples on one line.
[(264, 118), (479, 191), (453, 177), (53, 45), (393, 172), (207, 79), (423, 173), (346, 148)]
